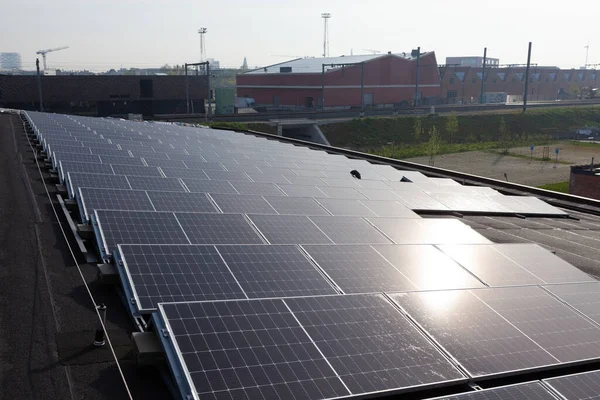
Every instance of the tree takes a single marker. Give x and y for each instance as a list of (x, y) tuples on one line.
[(505, 136), (451, 126), (433, 145), (418, 129)]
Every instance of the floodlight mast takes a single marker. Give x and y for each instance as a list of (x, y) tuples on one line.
[(326, 17)]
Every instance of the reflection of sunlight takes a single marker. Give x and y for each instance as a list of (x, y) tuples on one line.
[(435, 277), (440, 302)]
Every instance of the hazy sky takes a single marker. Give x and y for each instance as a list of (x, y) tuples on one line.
[(105, 34)]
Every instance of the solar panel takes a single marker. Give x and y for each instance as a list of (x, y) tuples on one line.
[(242, 204), (428, 231), (543, 264), (342, 193), (76, 180), (389, 209), (135, 170), (184, 173), (371, 346), (248, 349), (305, 181), (227, 176), (268, 177), (337, 182), (73, 157), (274, 271), (309, 171), (358, 269), (427, 267), (487, 263), (348, 230), (181, 202), (584, 297), (482, 341), (138, 227), (206, 186), (170, 273), (346, 207), (417, 200), (101, 199), (577, 386), (296, 205), (289, 229), (218, 229), (106, 159), (521, 391), (302, 191), (84, 167), (153, 183), (377, 194), (558, 329), (257, 188), (176, 164)]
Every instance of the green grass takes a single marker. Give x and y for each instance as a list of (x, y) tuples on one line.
[(562, 187), (417, 150)]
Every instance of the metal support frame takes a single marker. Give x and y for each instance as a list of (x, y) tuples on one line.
[(208, 111), (39, 82), (362, 82), (416, 103), (483, 76), (527, 78)]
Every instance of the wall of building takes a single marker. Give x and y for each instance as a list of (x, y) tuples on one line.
[(584, 183), (104, 95), (389, 80), (462, 85)]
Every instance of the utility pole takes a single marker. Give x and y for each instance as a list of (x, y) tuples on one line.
[(208, 113), (322, 87), (187, 90), (483, 76), (39, 82), (362, 88), (326, 17), (527, 78), (587, 51), (417, 77)]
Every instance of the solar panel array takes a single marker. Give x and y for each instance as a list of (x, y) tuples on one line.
[(271, 273)]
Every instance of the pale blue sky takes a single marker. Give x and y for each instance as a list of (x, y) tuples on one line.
[(107, 33)]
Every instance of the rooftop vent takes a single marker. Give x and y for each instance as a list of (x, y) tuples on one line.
[(285, 69)]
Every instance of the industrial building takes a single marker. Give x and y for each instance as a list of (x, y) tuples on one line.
[(585, 181), (462, 85), (104, 95), (337, 82)]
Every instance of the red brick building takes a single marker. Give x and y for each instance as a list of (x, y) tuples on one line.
[(462, 85), (389, 80), (585, 181)]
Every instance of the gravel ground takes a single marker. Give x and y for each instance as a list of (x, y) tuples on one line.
[(518, 170)]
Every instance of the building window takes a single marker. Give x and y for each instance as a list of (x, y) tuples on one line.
[(474, 80), (452, 81), (451, 94)]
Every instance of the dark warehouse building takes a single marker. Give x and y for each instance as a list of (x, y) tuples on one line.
[(102, 95)]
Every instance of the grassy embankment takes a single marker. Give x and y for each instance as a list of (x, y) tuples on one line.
[(395, 137), (562, 187)]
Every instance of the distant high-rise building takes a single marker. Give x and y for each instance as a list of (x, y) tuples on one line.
[(10, 61), (245, 65), (214, 64)]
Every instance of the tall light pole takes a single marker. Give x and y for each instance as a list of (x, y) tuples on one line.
[(202, 32), (326, 17)]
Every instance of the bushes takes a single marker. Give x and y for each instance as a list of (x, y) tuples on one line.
[(368, 133)]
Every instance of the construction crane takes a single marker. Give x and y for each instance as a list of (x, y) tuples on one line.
[(372, 51), (44, 52)]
